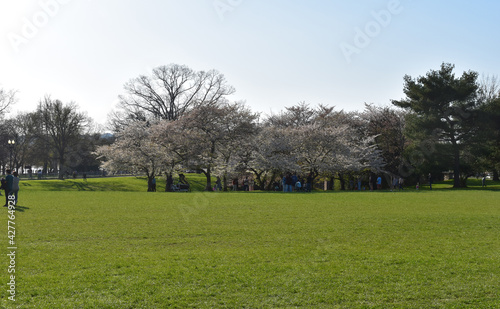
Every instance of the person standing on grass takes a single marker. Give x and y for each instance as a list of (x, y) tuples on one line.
[(430, 181), (3, 186), (309, 182), (298, 186), (218, 184), (170, 183), (483, 182), (394, 183), (245, 184), (294, 181), (401, 183), (9, 179), (288, 182), (15, 186), (379, 183)]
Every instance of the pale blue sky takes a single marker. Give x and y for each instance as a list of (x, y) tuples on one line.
[(275, 53)]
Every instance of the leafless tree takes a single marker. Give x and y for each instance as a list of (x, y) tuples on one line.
[(7, 98), (168, 93), (489, 89), (61, 125)]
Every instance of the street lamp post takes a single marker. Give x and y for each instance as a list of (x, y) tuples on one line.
[(11, 147)]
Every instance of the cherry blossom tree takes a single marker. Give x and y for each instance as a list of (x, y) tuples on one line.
[(206, 138), (313, 141), (134, 150), (225, 139), (387, 125), (275, 154)]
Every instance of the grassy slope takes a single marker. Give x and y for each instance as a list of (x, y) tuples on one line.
[(197, 181), (138, 184), (107, 249)]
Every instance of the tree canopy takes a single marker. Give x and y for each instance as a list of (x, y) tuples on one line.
[(178, 119), (442, 110), (168, 93)]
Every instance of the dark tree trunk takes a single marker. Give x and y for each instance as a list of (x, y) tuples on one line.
[(208, 174), (270, 186), (456, 169), (150, 183), (169, 183), (496, 175), (258, 178), (61, 167), (342, 181)]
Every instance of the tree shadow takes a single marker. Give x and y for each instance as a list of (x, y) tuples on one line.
[(82, 186), (468, 188), (21, 208)]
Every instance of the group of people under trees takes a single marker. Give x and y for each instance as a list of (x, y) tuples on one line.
[(246, 184), (291, 182), (374, 182), (10, 186), (181, 185)]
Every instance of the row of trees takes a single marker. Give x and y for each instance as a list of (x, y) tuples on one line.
[(444, 123), (54, 137), (225, 139), (179, 119)]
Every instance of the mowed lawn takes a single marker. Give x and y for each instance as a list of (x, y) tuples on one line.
[(88, 248)]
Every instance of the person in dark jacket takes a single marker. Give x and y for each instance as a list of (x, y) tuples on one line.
[(15, 186), (7, 186)]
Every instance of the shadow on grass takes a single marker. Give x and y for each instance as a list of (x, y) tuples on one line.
[(198, 182), (83, 186), (21, 208), (472, 185), (90, 185), (469, 188), (122, 184)]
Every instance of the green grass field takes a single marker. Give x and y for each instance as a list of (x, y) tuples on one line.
[(108, 244)]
